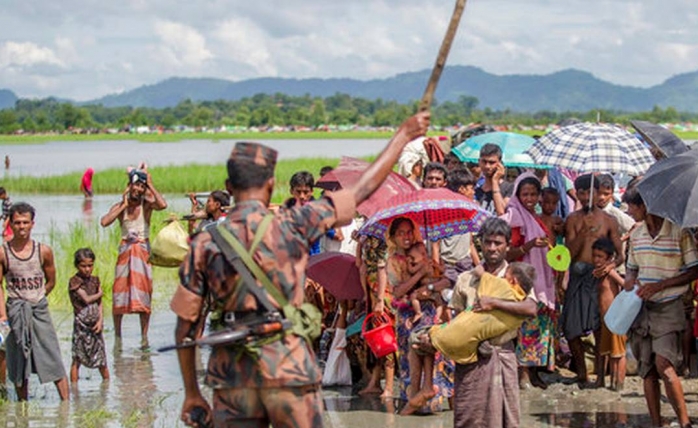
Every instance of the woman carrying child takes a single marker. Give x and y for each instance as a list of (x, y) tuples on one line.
[(402, 234), (529, 243), (86, 296)]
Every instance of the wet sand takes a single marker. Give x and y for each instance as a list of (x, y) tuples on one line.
[(146, 391)]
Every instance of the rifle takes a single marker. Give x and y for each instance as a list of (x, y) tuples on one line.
[(239, 333)]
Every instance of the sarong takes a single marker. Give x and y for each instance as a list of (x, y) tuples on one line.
[(658, 330), (88, 346), (133, 279), (580, 314), (486, 393), (32, 346)]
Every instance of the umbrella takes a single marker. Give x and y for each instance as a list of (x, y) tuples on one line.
[(439, 213), (665, 143), (592, 147), (513, 148), (349, 171), (670, 189), (337, 273)]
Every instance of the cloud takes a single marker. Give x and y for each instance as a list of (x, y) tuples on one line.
[(181, 45), (27, 54)]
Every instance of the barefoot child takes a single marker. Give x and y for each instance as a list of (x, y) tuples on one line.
[(86, 297), (610, 345)]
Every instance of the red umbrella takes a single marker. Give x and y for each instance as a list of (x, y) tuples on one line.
[(337, 273), (348, 173)]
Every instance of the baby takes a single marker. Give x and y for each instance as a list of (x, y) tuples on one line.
[(418, 258)]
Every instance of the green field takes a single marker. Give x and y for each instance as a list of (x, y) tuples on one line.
[(169, 179)]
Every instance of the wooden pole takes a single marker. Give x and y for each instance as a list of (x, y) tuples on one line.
[(428, 96)]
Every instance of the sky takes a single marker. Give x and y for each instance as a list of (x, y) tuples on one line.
[(84, 49)]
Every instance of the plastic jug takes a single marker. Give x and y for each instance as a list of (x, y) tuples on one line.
[(4, 332), (623, 311)]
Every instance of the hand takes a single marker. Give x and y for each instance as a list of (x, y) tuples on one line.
[(416, 126), (189, 404), (602, 271), (499, 173), (99, 325), (484, 304), (649, 290), (478, 271), (125, 196), (379, 307), (338, 235)]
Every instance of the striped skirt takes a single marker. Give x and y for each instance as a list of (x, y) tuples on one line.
[(133, 279)]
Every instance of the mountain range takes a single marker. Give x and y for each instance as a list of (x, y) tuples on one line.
[(567, 90)]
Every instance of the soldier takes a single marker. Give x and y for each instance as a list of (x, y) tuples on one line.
[(278, 382)]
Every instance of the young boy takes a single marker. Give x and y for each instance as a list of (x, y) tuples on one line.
[(554, 223), (609, 344)]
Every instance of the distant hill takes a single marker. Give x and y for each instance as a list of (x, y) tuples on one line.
[(7, 99), (568, 90)]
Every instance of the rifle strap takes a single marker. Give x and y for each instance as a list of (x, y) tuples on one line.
[(239, 257)]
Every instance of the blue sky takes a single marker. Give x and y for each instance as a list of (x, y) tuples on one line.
[(83, 49)]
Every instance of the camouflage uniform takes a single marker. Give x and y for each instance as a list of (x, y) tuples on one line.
[(279, 385)]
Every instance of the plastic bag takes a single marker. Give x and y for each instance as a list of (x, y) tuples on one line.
[(170, 246), (337, 370)]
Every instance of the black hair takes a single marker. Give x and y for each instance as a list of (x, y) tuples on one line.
[(550, 191), (495, 227), (458, 177), (604, 244), (83, 254), (302, 178), (243, 175), (524, 273), (451, 159), (324, 170), (221, 197), (490, 149), (2, 191), (583, 182), (396, 223), (21, 208), (605, 181), (632, 196), (435, 166), (417, 245), (533, 181)]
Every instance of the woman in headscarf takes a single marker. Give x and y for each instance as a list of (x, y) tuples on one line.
[(86, 183), (529, 243), (402, 234)]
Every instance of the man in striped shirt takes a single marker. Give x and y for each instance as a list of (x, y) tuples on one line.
[(662, 261)]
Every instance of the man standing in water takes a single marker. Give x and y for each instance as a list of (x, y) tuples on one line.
[(133, 280), (275, 381), (32, 345)]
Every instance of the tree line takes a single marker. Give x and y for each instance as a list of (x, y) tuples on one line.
[(262, 110)]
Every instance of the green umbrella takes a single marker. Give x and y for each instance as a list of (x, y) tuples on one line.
[(513, 147)]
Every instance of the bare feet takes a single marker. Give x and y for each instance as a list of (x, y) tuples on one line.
[(418, 401), (370, 390)]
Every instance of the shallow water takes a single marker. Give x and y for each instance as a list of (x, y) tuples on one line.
[(68, 156)]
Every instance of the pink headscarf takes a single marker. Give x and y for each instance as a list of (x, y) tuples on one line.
[(518, 216), (87, 179)]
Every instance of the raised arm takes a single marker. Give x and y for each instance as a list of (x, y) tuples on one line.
[(377, 172), (158, 203), (115, 211)]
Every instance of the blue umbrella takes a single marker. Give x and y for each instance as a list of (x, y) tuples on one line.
[(513, 148)]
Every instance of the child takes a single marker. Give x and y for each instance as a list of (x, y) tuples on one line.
[(6, 205), (86, 297), (554, 223), (418, 256), (609, 344)]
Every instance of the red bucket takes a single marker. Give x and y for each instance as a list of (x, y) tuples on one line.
[(381, 338)]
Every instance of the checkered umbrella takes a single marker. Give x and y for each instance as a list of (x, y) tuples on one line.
[(592, 147)]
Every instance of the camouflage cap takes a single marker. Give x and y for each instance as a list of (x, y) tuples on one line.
[(254, 153)]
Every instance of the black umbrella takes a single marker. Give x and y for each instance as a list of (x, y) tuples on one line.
[(670, 189), (664, 143)]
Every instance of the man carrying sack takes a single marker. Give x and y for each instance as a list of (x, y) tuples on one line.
[(276, 381)]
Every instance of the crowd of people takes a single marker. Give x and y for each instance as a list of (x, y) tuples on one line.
[(419, 286)]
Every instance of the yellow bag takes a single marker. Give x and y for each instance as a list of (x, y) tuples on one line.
[(459, 339), (170, 246)]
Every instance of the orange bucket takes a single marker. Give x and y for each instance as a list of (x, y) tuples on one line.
[(381, 338)]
